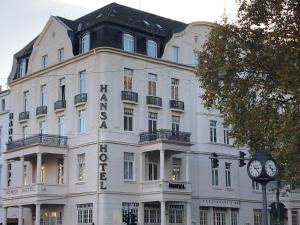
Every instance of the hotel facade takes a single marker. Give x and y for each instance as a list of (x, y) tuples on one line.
[(106, 118)]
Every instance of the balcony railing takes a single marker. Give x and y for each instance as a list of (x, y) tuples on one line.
[(130, 96), (60, 104), (153, 100), (40, 139), (41, 110), (80, 98), (164, 134), (175, 104), (24, 116)]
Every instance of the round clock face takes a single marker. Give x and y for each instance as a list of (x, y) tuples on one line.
[(271, 168), (255, 168)]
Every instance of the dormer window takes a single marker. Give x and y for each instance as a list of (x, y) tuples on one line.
[(22, 67), (128, 43), (152, 48), (85, 43)]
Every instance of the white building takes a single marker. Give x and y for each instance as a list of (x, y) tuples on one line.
[(107, 117)]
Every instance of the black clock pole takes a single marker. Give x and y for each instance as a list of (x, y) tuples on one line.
[(265, 205)]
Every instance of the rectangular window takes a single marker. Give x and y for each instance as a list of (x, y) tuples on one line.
[(176, 214), (61, 126), (175, 54), (175, 124), (152, 79), (42, 127), (226, 135), (44, 61), (152, 168), (25, 132), (60, 171), (2, 105), (128, 165), (152, 48), (128, 74), (43, 95), (213, 131), (130, 207), (51, 218), (85, 43), (203, 216), (174, 88), (257, 216), (152, 215), (234, 217), (152, 122), (255, 185), (85, 213), (176, 168), (215, 177), (82, 121), (43, 175), (82, 82), (22, 67), (219, 217), (81, 167), (61, 55), (128, 119), (26, 101), (128, 43), (62, 89), (25, 182), (228, 174), (295, 218)]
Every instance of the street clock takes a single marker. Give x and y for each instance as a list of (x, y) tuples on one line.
[(262, 168)]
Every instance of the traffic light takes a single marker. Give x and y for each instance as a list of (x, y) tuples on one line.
[(133, 219), (214, 160), (242, 159), (125, 218)]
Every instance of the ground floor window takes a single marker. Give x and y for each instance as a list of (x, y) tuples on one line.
[(295, 217), (51, 218), (203, 216), (219, 217), (257, 216), (85, 213), (152, 214), (176, 213), (234, 217), (130, 207)]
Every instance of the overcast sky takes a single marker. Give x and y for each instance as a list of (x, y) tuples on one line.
[(22, 20)]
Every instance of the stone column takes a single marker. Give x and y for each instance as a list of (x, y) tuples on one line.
[(163, 213), (37, 214), (162, 164), (141, 214), (38, 168), (187, 167), (211, 215), (20, 218), (22, 170), (4, 215), (188, 213), (289, 216), (228, 216)]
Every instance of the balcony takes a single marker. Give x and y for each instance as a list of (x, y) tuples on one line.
[(35, 190), (129, 97), (41, 111), (164, 134), (154, 101), (23, 116), (166, 186), (80, 99), (177, 105), (59, 105), (40, 139)]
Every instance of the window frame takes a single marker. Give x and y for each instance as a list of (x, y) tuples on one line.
[(85, 43), (85, 213), (128, 119), (228, 180), (175, 54), (82, 121), (81, 167), (82, 82), (215, 177), (44, 61), (128, 79), (43, 95), (128, 42), (61, 55), (175, 88), (152, 84), (129, 166), (213, 131), (152, 52)]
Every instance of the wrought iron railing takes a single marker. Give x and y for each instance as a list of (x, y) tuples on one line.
[(41, 110), (24, 115), (175, 104), (41, 139), (130, 96), (165, 134), (60, 104), (153, 100), (80, 98)]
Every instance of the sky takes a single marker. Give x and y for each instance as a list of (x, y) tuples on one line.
[(22, 20)]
